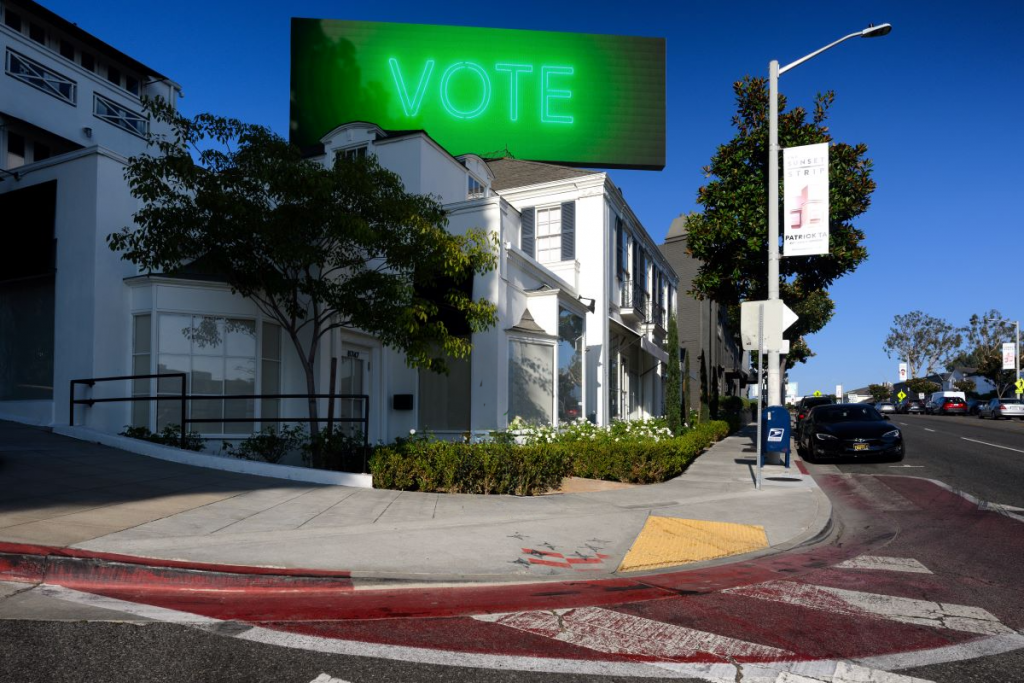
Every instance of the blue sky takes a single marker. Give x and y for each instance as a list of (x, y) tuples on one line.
[(938, 101)]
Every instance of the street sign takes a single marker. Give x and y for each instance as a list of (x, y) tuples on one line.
[(817, 393), (777, 318), (921, 396), (839, 393), (1020, 385), (901, 396)]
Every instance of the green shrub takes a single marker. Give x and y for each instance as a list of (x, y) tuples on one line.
[(170, 436), (270, 444), (459, 467), (339, 451)]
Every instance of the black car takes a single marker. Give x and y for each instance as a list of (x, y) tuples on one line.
[(912, 406), (974, 406), (804, 407), (849, 430)]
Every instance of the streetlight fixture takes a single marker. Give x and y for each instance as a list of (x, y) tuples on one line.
[(774, 387), (1016, 356)]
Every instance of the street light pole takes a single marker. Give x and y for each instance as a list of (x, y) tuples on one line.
[(774, 379), (1016, 355)]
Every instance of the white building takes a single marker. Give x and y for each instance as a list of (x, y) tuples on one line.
[(70, 116), (581, 290)]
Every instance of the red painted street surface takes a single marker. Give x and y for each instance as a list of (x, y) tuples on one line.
[(911, 570)]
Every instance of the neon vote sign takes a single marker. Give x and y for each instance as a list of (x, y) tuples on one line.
[(588, 100)]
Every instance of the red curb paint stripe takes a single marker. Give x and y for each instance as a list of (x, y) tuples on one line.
[(156, 563), (542, 552), (800, 466), (549, 563), (583, 560)]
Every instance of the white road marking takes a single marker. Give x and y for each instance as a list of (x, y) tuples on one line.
[(847, 673), (904, 610), (894, 564), (614, 632), (1006, 510), (993, 445), (928, 430), (326, 678), (765, 672), (907, 466)]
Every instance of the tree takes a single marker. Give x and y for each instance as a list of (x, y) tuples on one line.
[(730, 235), (923, 342), (968, 386), (314, 248), (920, 385), (673, 382), (984, 348), (880, 392)]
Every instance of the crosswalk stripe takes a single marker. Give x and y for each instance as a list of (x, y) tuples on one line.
[(904, 610), (613, 632), (893, 564)]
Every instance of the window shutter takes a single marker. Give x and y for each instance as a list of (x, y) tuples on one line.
[(568, 231), (529, 229), (620, 255)]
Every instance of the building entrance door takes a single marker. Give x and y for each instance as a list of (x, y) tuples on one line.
[(353, 379)]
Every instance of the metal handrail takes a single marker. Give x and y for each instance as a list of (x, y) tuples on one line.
[(185, 397)]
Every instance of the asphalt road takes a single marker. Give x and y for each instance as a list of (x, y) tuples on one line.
[(984, 458)]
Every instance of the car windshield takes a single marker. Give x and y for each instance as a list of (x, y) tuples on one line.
[(846, 414)]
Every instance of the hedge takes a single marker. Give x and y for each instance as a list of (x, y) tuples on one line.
[(450, 467)]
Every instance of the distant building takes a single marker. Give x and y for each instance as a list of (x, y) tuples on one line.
[(705, 332)]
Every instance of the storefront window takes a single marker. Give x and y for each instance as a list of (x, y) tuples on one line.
[(530, 382), (570, 366)]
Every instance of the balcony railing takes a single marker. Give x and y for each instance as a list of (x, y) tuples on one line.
[(656, 314), (634, 300)]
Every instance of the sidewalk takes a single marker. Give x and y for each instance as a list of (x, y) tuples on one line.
[(61, 492)]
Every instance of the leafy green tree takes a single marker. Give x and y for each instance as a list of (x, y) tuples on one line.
[(730, 235), (880, 392), (968, 386), (922, 341), (315, 248), (919, 385), (984, 349), (673, 382)]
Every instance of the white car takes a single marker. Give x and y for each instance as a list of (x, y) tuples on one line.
[(885, 407), (999, 408)]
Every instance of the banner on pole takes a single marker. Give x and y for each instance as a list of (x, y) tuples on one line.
[(1009, 356), (903, 372), (805, 207)]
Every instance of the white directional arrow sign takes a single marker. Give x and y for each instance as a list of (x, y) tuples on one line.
[(777, 318)]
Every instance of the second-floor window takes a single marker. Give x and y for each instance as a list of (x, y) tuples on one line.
[(549, 235), (122, 117), (475, 189), (351, 154)]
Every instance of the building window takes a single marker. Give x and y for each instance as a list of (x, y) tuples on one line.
[(549, 235), (351, 154), (87, 61), (218, 356), (37, 33), (131, 84), (15, 150), (67, 50), (114, 76), (270, 368), (475, 189), (141, 353), (38, 76), (531, 393), (119, 116), (570, 366), (444, 400), (12, 20)]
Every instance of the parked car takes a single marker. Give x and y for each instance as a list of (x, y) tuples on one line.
[(947, 405), (804, 407), (852, 430), (912, 406), (975, 405), (885, 407), (1000, 408)]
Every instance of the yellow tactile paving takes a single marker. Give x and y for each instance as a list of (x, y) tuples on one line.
[(667, 542)]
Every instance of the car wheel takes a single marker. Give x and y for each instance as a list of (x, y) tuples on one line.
[(899, 456)]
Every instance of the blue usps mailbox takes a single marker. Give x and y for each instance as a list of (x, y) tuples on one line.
[(775, 431)]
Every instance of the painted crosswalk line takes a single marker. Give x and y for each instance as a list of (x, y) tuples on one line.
[(892, 564), (845, 672), (614, 632), (904, 610)]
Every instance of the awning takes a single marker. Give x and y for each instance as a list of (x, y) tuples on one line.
[(653, 349)]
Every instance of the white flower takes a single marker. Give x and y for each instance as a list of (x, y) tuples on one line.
[(412, 432)]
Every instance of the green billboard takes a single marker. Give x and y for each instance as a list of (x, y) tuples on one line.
[(572, 98)]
